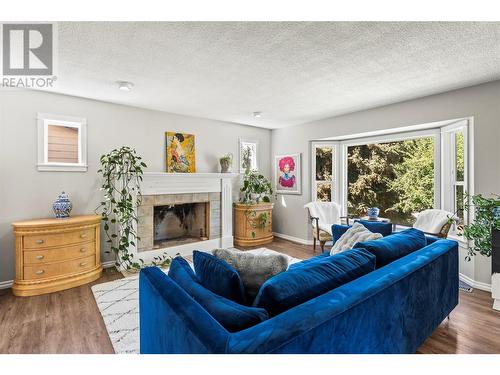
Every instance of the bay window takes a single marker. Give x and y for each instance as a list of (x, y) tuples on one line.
[(401, 174)]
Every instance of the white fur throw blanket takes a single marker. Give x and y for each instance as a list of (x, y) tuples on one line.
[(356, 233)]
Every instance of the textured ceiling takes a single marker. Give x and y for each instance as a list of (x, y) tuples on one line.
[(294, 72)]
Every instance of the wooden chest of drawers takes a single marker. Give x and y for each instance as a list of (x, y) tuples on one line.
[(56, 254)]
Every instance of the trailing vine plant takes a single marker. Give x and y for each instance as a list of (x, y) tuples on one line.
[(122, 171), (486, 218)]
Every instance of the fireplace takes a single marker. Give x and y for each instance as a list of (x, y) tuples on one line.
[(172, 220), (179, 224), (182, 212)]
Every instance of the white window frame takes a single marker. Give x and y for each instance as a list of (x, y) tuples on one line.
[(46, 119), (335, 193), (444, 160), (448, 161), (240, 146)]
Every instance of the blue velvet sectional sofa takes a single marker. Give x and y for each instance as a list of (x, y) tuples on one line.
[(392, 309)]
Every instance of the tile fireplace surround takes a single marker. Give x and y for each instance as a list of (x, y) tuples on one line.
[(160, 189)]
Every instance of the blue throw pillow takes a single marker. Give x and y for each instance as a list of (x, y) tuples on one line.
[(385, 229), (395, 246), (232, 316), (298, 285), (218, 276), (338, 230)]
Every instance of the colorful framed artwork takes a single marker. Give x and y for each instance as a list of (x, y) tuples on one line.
[(287, 174), (180, 153)]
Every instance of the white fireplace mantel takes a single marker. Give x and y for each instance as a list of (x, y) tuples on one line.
[(159, 183), (180, 183)]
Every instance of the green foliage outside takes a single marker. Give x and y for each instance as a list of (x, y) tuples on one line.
[(397, 177)]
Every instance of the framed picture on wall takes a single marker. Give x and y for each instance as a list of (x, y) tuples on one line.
[(180, 153), (287, 174)]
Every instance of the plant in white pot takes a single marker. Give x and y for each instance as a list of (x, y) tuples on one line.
[(482, 232), (253, 214)]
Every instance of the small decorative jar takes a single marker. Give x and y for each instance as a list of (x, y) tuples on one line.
[(62, 206), (373, 212)]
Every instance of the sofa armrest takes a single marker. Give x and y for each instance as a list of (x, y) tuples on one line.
[(173, 322)]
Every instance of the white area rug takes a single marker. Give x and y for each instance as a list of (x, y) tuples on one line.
[(118, 302)]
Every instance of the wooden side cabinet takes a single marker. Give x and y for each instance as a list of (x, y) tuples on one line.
[(253, 224), (56, 254)]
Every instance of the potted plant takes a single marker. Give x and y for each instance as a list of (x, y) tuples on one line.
[(122, 171), (482, 232), (226, 162), (253, 214)]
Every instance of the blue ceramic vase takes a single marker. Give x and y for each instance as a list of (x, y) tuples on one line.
[(62, 206), (373, 212)]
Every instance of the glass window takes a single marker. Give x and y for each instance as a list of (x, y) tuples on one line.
[(397, 177), (61, 143), (459, 155), (323, 158), (248, 156)]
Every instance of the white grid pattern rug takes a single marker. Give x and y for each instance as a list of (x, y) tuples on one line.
[(118, 302)]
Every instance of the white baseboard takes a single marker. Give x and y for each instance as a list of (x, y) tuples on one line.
[(6, 284), (108, 264), (293, 239), (475, 284)]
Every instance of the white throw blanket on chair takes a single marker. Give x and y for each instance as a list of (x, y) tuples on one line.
[(327, 212), (432, 220)]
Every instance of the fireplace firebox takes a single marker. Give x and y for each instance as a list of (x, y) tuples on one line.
[(179, 224)]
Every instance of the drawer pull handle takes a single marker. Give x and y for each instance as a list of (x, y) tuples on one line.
[(40, 257), (83, 264), (40, 272), (82, 250), (83, 235), (40, 242)]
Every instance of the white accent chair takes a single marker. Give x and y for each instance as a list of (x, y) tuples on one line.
[(322, 215), (435, 222)]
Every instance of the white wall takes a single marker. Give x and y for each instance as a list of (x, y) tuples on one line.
[(482, 102), (26, 193)]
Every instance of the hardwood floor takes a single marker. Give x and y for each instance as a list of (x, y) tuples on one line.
[(69, 321)]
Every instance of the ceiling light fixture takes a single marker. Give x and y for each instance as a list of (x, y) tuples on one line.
[(257, 114), (124, 85)]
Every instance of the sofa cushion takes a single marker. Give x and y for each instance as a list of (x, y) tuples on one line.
[(231, 315), (356, 233), (254, 269), (395, 246), (297, 285), (317, 258), (218, 276), (384, 228)]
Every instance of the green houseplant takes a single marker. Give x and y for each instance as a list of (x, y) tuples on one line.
[(253, 214), (226, 162), (256, 188), (486, 218), (122, 171)]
